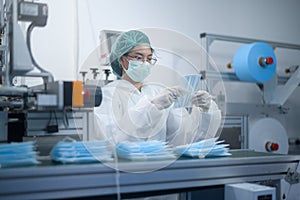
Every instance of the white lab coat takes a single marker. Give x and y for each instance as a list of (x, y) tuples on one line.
[(128, 114)]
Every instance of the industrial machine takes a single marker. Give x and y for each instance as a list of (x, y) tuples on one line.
[(262, 112), (249, 191), (58, 108), (53, 108)]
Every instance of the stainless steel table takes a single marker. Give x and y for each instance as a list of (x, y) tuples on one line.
[(50, 180)]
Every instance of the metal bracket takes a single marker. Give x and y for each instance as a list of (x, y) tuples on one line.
[(282, 93), (292, 177)]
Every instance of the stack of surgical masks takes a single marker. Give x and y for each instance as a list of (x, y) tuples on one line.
[(205, 148), (144, 150), (81, 152), (18, 154), (192, 84)]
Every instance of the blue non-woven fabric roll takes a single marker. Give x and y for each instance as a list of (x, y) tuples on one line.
[(246, 62)]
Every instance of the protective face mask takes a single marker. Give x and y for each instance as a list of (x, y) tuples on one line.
[(219, 150), (18, 154), (145, 150), (142, 146), (17, 147), (205, 148), (203, 144), (192, 83), (138, 71), (80, 152)]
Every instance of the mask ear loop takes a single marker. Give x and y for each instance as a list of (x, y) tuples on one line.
[(123, 68)]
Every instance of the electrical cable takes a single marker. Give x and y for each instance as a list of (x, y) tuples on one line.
[(52, 128), (91, 27), (76, 39), (65, 119), (91, 24), (117, 177)]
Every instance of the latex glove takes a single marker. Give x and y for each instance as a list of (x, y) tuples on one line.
[(201, 99), (168, 96)]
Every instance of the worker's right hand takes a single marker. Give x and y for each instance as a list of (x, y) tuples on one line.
[(168, 96), (202, 100)]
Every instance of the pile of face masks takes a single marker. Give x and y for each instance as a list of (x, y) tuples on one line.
[(80, 152), (18, 154), (205, 148), (144, 150)]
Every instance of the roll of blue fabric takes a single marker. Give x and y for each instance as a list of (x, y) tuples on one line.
[(255, 62)]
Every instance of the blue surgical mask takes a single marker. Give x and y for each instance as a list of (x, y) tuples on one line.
[(80, 151), (138, 71), (18, 154), (144, 150), (205, 148)]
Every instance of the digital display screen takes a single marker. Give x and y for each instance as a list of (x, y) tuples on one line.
[(29, 9)]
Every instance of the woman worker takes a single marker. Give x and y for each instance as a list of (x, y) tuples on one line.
[(134, 110)]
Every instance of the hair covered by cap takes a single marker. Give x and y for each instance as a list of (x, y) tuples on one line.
[(123, 44)]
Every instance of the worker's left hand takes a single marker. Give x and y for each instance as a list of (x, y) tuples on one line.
[(201, 99)]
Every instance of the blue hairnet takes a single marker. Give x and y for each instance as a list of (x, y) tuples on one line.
[(123, 44)]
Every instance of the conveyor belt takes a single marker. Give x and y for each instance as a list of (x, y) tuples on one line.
[(50, 180)]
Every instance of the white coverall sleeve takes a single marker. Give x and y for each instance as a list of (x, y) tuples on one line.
[(102, 120), (144, 121), (117, 120), (185, 128)]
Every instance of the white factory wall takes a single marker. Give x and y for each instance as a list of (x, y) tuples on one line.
[(72, 32)]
